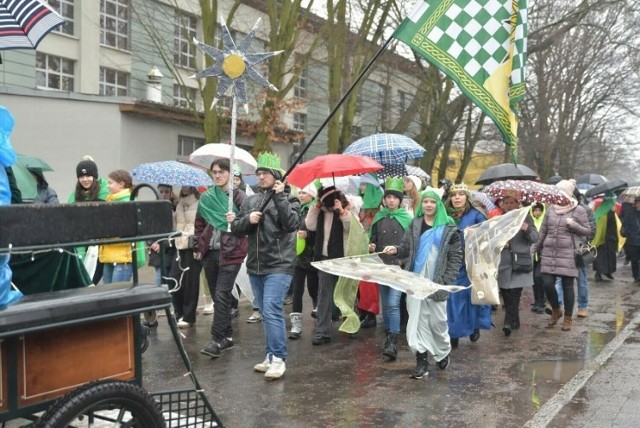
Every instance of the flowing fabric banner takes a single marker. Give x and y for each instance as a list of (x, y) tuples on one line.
[(483, 244)]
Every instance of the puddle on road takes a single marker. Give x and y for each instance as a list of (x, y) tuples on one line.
[(555, 370)]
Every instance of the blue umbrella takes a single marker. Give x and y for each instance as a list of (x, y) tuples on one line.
[(386, 148), (173, 173)]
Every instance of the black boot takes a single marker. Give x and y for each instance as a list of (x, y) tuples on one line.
[(369, 320), (422, 366), (391, 346)]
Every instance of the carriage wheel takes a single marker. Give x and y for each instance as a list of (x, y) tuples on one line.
[(111, 403)]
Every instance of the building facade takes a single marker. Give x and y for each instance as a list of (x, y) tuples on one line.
[(114, 83)]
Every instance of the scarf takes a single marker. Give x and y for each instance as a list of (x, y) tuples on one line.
[(400, 215), (304, 208), (213, 207), (121, 196), (456, 213), (372, 197), (428, 251)]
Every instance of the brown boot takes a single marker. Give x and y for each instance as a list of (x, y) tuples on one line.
[(566, 323), (556, 314)]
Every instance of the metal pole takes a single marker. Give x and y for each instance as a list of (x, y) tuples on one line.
[(331, 114)]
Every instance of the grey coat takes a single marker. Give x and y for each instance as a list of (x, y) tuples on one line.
[(449, 258), (520, 245), (557, 241)]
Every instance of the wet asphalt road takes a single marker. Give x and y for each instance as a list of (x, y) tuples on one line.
[(497, 381)]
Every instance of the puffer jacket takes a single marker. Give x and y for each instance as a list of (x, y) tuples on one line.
[(185, 217), (449, 259), (558, 241), (272, 242)]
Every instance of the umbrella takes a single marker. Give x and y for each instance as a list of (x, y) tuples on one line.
[(583, 187), (505, 171), (483, 200), (26, 182), (24, 23), (609, 186), (530, 191), (332, 165), (210, 152), (173, 173), (34, 162), (417, 171), (555, 179), (393, 170), (630, 194), (593, 179), (386, 148)]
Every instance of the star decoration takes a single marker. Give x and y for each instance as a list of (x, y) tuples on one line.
[(234, 65)]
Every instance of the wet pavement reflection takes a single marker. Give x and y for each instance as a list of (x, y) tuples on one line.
[(497, 381)]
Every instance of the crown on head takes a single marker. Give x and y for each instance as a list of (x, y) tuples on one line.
[(269, 160), (458, 187), (394, 183)]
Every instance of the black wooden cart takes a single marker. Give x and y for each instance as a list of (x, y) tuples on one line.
[(75, 355)]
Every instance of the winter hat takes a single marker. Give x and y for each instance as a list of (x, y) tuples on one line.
[(270, 162), (310, 189), (567, 186), (417, 183), (328, 195), (87, 167), (394, 186)]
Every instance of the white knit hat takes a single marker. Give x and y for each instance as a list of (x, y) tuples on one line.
[(310, 189), (417, 183), (567, 186)]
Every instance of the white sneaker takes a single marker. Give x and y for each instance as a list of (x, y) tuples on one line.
[(184, 324), (276, 369), (255, 317), (208, 309), (263, 366)]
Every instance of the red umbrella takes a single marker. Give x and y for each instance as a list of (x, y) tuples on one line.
[(333, 165), (530, 191)]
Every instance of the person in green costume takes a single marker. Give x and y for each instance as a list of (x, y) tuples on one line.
[(388, 228)]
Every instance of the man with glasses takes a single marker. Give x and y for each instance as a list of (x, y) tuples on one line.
[(272, 254), (221, 253)]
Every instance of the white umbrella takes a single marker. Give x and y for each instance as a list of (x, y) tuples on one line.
[(206, 154)]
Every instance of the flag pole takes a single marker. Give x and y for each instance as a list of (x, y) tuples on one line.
[(332, 113)]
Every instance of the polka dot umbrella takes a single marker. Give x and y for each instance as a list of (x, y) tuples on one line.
[(530, 191)]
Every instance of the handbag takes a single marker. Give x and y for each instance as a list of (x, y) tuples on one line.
[(522, 262), (585, 253)]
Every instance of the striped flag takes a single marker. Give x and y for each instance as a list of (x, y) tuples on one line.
[(481, 45)]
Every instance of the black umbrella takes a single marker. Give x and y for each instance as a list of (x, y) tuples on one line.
[(594, 179), (555, 179), (609, 186), (507, 171)]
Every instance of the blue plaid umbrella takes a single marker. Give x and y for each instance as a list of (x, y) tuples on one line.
[(173, 173), (386, 148)]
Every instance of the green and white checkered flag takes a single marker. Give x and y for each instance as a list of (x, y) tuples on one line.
[(482, 46)]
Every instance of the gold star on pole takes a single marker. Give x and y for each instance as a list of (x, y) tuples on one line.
[(234, 65)]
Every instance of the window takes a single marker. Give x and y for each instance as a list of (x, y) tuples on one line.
[(226, 101), (114, 23), (187, 145), (182, 96), (356, 132), (405, 101), (65, 9), (184, 30), (300, 88), (299, 121), (113, 83), (53, 72)]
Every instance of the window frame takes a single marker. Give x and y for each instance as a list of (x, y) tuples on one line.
[(104, 85), (121, 41), (195, 142), (48, 71), (68, 27), (180, 39)]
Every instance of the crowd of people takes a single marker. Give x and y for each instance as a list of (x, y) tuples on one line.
[(276, 232)]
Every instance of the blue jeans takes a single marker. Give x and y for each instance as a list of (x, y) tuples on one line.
[(390, 298), (583, 288), (270, 291), (119, 272)]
